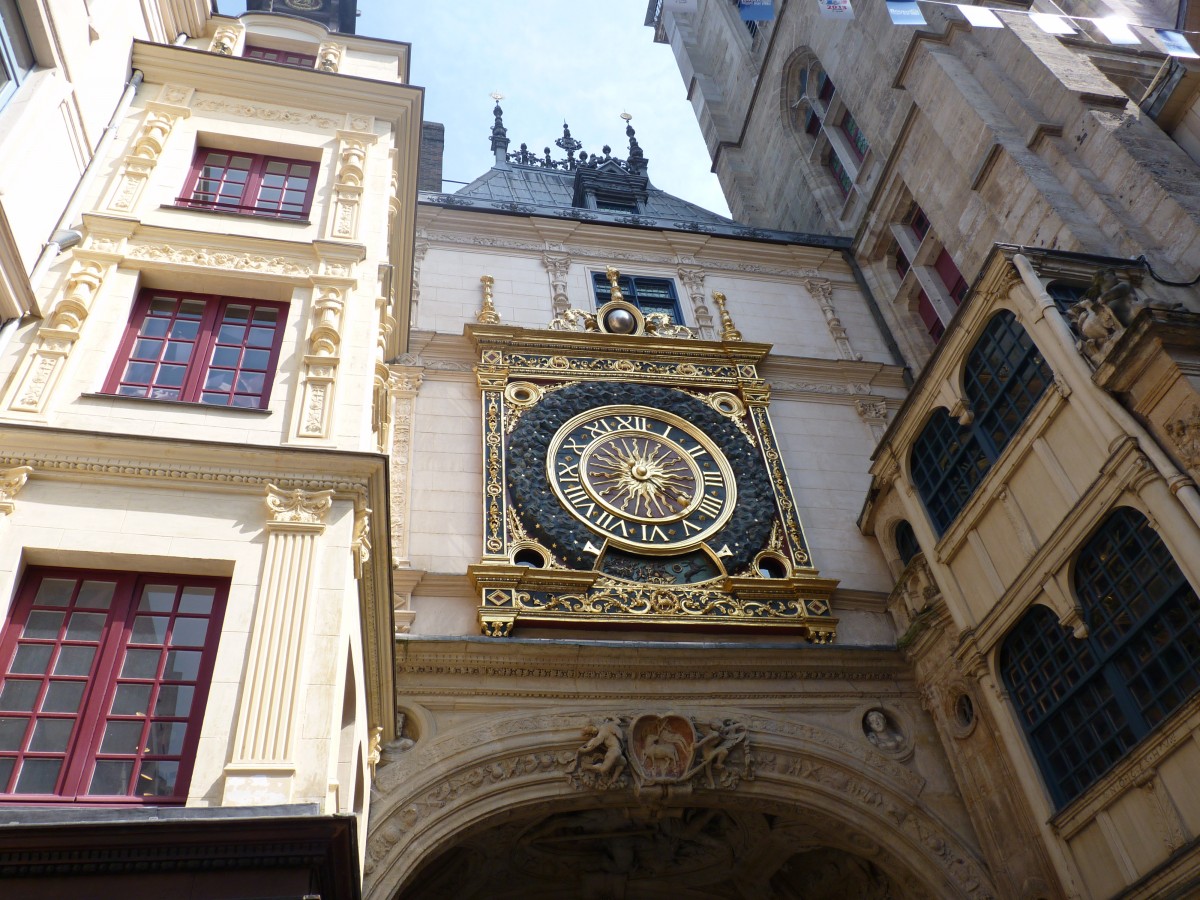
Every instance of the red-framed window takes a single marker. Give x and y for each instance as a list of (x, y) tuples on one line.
[(902, 263), (283, 57), (918, 222), (858, 141), (955, 284), (103, 681), (199, 349), (840, 175), (250, 183), (929, 317)]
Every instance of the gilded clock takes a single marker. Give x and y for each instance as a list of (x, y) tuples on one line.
[(658, 486)]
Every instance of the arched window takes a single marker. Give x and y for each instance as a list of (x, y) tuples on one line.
[(1085, 702), (1005, 376), (906, 542)]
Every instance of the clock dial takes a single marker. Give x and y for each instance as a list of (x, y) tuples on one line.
[(645, 479), (304, 4)]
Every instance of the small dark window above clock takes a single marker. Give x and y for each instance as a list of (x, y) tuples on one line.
[(649, 294)]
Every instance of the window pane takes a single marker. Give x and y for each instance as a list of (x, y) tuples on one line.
[(197, 600), (147, 349), (121, 737), (261, 337), (44, 625), (189, 632), (139, 373), (131, 700), (185, 329), (182, 665), (19, 695), (54, 592), (166, 738), (191, 309), (250, 383), (157, 778), (266, 315), (96, 594), (12, 734), (174, 700), (86, 626), (51, 735), (227, 357), (157, 598), (38, 776), (63, 696), (256, 360), (18, 37), (74, 660), (140, 664), (178, 351), (31, 659), (150, 629), (111, 776), (171, 376), (154, 327)]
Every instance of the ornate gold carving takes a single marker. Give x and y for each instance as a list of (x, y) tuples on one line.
[(614, 278), (11, 482), (571, 319), (487, 314), (783, 491), (266, 113), (661, 325), (493, 490), (297, 507), (728, 332)]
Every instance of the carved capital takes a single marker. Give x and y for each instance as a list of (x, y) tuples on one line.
[(297, 507), (11, 482), (225, 39), (329, 56)]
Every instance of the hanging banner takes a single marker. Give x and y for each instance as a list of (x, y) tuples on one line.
[(756, 10), (1176, 44), (905, 12), (836, 9), (980, 16), (678, 6), (1051, 24), (1117, 30)]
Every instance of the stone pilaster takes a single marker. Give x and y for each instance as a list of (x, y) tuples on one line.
[(822, 291), (693, 283), (351, 161), (161, 118), (558, 267), (263, 766)]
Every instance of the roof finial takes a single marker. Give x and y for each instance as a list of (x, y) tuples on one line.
[(499, 132), (728, 331), (568, 144), (637, 161)]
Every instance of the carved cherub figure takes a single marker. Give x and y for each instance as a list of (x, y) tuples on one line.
[(606, 735)]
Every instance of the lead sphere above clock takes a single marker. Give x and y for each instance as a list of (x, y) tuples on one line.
[(620, 321)]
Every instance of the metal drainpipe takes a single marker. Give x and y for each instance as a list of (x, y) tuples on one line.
[(1179, 482), (51, 248)]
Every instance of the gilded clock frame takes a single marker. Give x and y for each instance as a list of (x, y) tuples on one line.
[(517, 369)]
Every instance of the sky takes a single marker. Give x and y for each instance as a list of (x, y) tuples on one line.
[(553, 60)]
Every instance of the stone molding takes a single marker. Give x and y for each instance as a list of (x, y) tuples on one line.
[(217, 105), (147, 146), (821, 290), (349, 180), (506, 763)]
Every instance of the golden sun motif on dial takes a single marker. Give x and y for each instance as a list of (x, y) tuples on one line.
[(646, 480)]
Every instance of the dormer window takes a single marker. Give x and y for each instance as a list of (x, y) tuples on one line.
[(283, 57), (612, 202)]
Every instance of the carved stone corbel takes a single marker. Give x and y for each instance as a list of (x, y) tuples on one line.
[(693, 283), (822, 291), (144, 154), (11, 482), (558, 267), (329, 56), (322, 360), (56, 339), (874, 413), (1184, 434), (360, 545), (348, 186), (225, 39)]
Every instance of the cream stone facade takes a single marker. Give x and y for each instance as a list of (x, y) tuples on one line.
[(1024, 208), (275, 492)]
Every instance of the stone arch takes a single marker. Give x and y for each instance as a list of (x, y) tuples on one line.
[(512, 768)]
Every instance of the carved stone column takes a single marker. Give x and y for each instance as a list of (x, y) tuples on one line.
[(403, 385), (161, 117), (262, 765), (44, 365), (420, 248), (11, 482), (693, 282), (351, 158), (558, 267), (822, 291)]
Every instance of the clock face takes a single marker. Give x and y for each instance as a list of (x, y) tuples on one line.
[(304, 4), (644, 479)]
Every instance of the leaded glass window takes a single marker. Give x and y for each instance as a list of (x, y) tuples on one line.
[(906, 542), (1085, 702), (1005, 375)]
